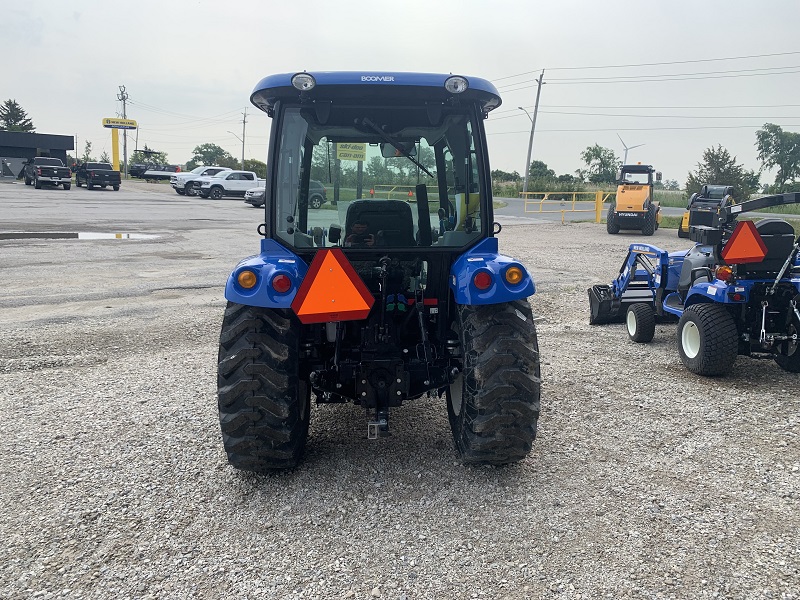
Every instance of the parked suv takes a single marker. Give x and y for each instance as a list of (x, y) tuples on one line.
[(317, 195)]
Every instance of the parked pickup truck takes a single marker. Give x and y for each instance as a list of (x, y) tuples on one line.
[(227, 183), (43, 170), (96, 174), (183, 183)]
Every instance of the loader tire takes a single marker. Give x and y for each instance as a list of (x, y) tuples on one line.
[(612, 226), (708, 341), (640, 321), (649, 226), (264, 403), (493, 407)]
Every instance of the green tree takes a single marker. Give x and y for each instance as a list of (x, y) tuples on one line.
[(377, 171), (502, 176), (148, 155), (718, 167), (87, 153), (14, 118), (104, 157), (781, 149), (672, 185), (601, 163), (539, 170), (211, 154), (260, 168), (568, 179)]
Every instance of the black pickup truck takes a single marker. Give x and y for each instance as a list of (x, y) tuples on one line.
[(95, 174), (44, 170)]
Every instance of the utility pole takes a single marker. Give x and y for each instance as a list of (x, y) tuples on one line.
[(123, 97), (244, 126), (540, 82)]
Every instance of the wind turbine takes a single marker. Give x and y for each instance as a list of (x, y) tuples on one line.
[(625, 157)]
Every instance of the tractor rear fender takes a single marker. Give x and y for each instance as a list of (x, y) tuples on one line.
[(484, 257), (274, 260), (715, 291)]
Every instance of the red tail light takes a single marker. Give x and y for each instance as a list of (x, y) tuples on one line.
[(482, 280), (91, 173), (39, 171), (281, 283)]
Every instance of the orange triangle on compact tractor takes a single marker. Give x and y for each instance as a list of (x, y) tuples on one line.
[(332, 291), (745, 245)]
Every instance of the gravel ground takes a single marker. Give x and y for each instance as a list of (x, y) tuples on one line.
[(645, 481)]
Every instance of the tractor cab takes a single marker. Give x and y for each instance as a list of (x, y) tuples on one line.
[(393, 291), (406, 161), (634, 207)]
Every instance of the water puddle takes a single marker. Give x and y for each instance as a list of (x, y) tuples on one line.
[(73, 235)]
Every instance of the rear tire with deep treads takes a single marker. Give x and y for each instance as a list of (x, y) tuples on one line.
[(264, 404), (493, 408), (708, 340), (612, 226), (650, 221)]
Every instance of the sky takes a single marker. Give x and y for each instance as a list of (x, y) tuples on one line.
[(676, 76)]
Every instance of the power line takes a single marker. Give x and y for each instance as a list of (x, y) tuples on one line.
[(679, 74), (644, 129), (654, 64), (599, 114), (730, 106), (655, 80), (166, 112)]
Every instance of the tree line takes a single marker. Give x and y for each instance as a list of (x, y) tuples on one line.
[(777, 149)]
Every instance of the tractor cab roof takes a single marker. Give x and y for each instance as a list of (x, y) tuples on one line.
[(384, 87), (637, 169)]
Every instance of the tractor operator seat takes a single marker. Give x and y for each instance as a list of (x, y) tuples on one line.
[(390, 221), (778, 237)]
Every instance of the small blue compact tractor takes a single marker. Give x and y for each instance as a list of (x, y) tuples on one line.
[(737, 291), (374, 299)]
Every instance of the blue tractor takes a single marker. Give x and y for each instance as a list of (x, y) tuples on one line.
[(375, 301), (737, 291)]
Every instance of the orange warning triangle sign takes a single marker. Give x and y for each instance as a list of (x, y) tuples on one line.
[(745, 245), (332, 291)]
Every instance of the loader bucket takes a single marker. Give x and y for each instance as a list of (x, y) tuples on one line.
[(603, 308)]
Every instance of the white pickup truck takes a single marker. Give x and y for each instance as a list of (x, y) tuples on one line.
[(183, 183), (227, 183)]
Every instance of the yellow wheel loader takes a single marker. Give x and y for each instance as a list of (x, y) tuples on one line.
[(634, 207)]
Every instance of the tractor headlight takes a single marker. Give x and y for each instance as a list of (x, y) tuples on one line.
[(304, 82), (456, 84)]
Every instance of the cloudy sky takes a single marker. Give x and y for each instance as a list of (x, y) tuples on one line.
[(678, 76)]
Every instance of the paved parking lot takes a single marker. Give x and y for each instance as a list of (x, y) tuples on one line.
[(645, 481)]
